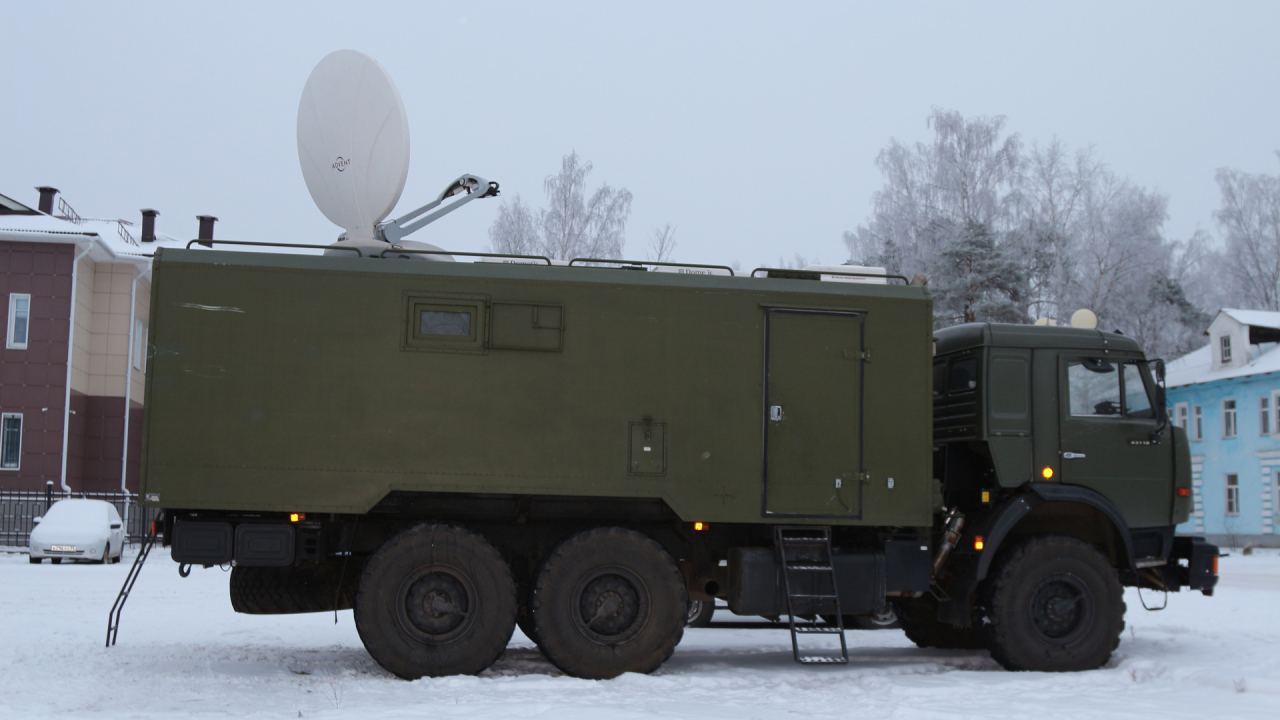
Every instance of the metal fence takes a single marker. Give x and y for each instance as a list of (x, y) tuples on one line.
[(19, 508)]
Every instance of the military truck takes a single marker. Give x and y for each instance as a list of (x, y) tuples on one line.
[(452, 449)]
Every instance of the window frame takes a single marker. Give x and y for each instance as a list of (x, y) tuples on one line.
[(475, 343), (1197, 423), (11, 326), (1231, 494), (1264, 415), (1224, 349), (4, 417), (1182, 416), (1230, 419)]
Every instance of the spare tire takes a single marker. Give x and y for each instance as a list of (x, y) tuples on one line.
[(310, 587)]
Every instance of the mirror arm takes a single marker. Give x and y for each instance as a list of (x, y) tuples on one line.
[(1161, 399), (474, 186)]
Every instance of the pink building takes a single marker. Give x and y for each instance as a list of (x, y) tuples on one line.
[(75, 293)]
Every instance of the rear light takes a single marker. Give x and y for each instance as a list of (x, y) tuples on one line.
[(296, 517), (1215, 564), (1184, 492), (977, 542)]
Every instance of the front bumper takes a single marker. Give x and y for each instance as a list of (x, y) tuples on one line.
[(1193, 564)]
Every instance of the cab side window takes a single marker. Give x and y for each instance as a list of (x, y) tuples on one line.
[(964, 375), (1137, 401), (1093, 386)]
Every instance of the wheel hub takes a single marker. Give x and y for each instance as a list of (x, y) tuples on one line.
[(437, 604), (1060, 608), (609, 605)]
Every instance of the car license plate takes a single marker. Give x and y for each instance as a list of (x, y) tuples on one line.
[(62, 548)]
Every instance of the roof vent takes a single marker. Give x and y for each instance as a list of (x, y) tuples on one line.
[(149, 224), (46, 199)]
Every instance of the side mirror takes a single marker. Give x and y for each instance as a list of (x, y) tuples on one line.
[(115, 526), (1159, 365), (36, 520)]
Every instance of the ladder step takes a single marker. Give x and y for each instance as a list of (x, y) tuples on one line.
[(826, 597), (818, 629), (808, 567), (832, 659)]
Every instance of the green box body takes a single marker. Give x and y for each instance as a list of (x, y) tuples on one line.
[(289, 383)]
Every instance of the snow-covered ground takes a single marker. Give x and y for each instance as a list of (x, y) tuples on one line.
[(183, 652)]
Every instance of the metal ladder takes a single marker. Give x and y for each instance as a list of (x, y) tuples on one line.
[(113, 619), (804, 556)]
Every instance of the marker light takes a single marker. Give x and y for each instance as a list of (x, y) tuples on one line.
[(1215, 564), (295, 517), (977, 542), (1184, 492), (699, 526), (1047, 473), (986, 496)]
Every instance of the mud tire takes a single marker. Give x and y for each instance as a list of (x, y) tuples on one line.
[(435, 600), (919, 620), (1055, 605), (700, 612), (637, 593)]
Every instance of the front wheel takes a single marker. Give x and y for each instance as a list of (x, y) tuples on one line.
[(1055, 605)]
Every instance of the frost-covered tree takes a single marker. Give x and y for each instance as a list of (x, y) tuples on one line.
[(662, 243), (1250, 219), (976, 281), (573, 224)]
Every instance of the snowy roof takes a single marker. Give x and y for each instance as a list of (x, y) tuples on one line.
[(1255, 318), (30, 228), (1197, 366)]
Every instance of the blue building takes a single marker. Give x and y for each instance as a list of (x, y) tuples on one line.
[(1227, 396)]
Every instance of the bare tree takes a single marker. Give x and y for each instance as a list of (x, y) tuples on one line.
[(662, 243), (574, 225), (1250, 217)]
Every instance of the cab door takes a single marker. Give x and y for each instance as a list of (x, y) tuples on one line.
[(813, 413), (1107, 420)]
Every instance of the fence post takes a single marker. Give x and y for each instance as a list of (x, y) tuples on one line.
[(48, 495)]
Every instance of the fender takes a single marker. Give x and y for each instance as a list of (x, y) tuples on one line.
[(1010, 513)]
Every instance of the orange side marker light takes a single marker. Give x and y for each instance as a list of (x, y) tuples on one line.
[(977, 542), (1184, 492), (295, 517), (699, 526), (1047, 473), (1215, 564)]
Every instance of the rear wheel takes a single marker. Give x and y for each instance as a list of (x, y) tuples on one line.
[(1055, 605), (435, 600), (609, 601)]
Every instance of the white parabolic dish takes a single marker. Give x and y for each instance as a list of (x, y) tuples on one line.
[(353, 141)]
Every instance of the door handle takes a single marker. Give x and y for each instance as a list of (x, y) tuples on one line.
[(775, 413), (1072, 456)]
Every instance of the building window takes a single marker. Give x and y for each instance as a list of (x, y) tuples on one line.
[(1180, 415), (1197, 423), (1233, 494), (19, 321), (1228, 418), (1224, 344), (139, 345), (10, 441), (1264, 415)]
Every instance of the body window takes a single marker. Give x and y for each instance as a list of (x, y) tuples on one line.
[(1233, 494), (1093, 387), (435, 322), (19, 321), (10, 441), (1197, 423), (1228, 418), (1137, 403)]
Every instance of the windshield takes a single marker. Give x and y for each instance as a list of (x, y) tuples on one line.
[(77, 511)]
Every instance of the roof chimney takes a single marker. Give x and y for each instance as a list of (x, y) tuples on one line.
[(206, 228), (46, 199), (149, 225)]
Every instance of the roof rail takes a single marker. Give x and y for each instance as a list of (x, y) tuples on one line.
[(642, 263), (795, 274)]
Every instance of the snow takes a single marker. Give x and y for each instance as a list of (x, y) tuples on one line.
[(183, 652), (1197, 366), (1256, 318)]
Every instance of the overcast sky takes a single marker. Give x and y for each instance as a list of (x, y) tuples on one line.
[(753, 128)]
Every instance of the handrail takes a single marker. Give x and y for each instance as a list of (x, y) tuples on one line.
[(648, 262), (903, 278), (394, 251), (211, 243)]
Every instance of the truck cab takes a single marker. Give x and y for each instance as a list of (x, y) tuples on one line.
[(1042, 429)]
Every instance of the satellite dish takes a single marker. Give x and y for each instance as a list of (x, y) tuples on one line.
[(1047, 321), (1084, 318), (353, 141)]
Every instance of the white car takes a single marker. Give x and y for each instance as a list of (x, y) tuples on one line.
[(79, 530)]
